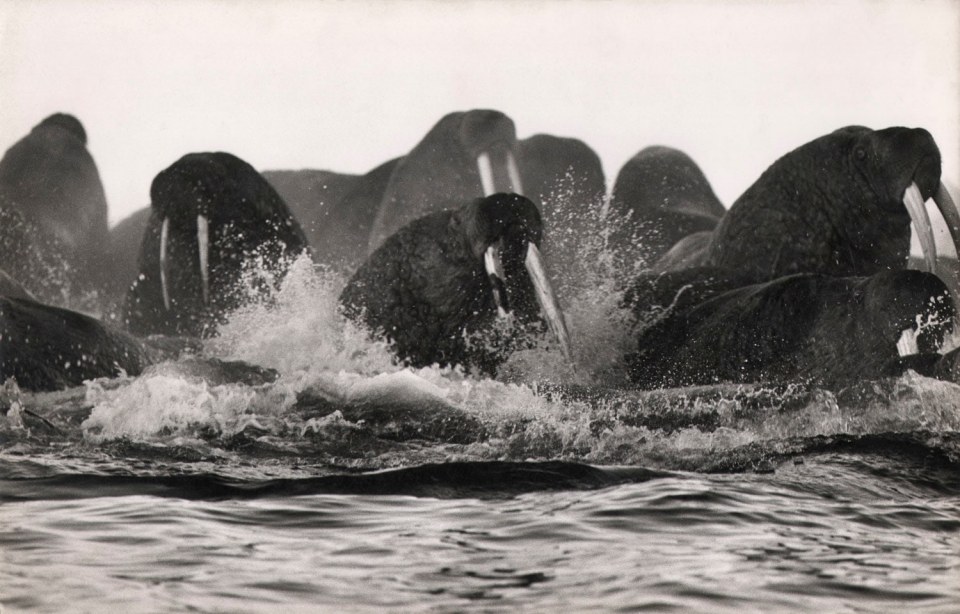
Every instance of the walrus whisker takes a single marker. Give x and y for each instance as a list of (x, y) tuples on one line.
[(547, 299), (494, 268), (514, 171), (913, 201), (486, 173), (203, 243), (164, 287)]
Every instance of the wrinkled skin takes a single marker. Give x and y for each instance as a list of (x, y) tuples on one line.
[(426, 287), (831, 206), (660, 196), (49, 180), (247, 221), (829, 331), (441, 171)]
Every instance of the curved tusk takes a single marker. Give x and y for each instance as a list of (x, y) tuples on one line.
[(494, 268), (546, 298), (203, 242), (913, 201), (950, 214), (486, 173), (514, 172), (164, 284)]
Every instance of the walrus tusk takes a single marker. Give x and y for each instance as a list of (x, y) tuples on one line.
[(203, 242), (950, 214), (514, 172), (486, 173), (546, 298), (913, 201), (164, 287), (494, 268), (907, 343)]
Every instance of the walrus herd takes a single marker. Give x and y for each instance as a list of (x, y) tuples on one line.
[(452, 251)]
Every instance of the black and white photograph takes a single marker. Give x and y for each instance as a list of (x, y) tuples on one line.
[(479, 306)]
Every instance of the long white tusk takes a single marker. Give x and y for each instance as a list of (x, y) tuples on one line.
[(913, 201), (514, 173), (907, 343), (493, 266), (491, 262), (546, 298), (203, 241), (164, 287), (486, 173), (950, 214)]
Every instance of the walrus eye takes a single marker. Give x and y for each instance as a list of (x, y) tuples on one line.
[(860, 154)]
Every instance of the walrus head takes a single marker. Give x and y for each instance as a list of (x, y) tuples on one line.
[(465, 155), (841, 204), (66, 121), (505, 231), (213, 215)]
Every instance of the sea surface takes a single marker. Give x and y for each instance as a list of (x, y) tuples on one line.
[(290, 465)]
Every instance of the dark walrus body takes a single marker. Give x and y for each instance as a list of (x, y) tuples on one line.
[(427, 291), (50, 193), (834, 205), (803, 278), (49, 348), (247, 226), (660, 197), (815, 328)]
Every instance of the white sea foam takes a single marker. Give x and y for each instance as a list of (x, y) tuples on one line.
[(300, 332)]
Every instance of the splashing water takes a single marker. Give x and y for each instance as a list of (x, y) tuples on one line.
[(341, 396), (582, 264), (300, 330)]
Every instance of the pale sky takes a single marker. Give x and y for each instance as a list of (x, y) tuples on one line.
[(347, 85)]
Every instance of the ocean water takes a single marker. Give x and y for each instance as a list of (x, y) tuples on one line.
[(340, 481)]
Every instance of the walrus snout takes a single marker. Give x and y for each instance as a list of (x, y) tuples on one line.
[(515, 222), (909, 155), (914, 166)]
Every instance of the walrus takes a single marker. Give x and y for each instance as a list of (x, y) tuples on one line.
[(708, 326), (50, 179), (464, 156), (49, 348), (555, 170), (564, 178), (343, 223), (213, 218), (35, 259), (123, 247), (451, 274), (309, 194), (804, 277), (841, 204), (660, 197)]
